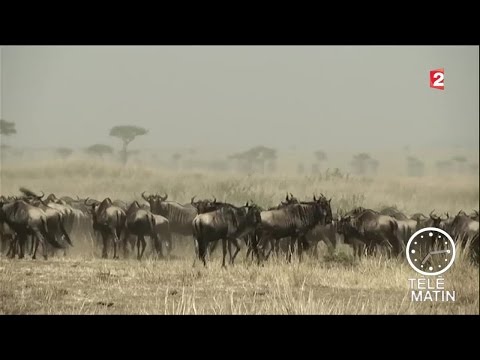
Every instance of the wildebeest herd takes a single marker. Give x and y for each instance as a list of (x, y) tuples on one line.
[(30, 220)]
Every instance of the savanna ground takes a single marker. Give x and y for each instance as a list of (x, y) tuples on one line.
[(335, 284)]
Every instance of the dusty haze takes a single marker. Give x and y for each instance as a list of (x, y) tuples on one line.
[(296, 99), (335, 97)]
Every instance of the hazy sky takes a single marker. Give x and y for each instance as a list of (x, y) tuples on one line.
[(325, 97)]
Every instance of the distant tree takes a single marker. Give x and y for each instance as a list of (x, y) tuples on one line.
[(256, 158), (7, 128), (360, 163), (320, 157), (473, 167), (300, 169), (99, 150), (415, 167), (127, 133), (461, 162), (444, 167), (64, 152), (373, 166), (176, 159)]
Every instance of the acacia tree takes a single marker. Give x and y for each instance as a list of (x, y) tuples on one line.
[(360, 163), (64, 152), (99, 150), (460, 161), (256, 158), (176, 157), (444, 167), (415, 167), (127, 133), (321, 157), (7, 128)]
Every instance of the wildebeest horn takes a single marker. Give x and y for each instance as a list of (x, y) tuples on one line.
[(193, 198), (476, 212), (27, 192), (246, 204), (39, 197), (78, 198), (165, 197), (214, 199), (291, 196), (286, 197), (431, 212), (448, 216), (314, 198), (143, 196)]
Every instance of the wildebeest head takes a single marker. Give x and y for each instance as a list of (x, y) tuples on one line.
[(92, 204), (436, 219), (30, 194), (474, 215), (206, 205), (2, 212), (290, 200), (323, 206), (156, 202), (344, 225), (253, 217)]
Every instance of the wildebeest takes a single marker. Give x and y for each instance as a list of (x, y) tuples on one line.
[(205, 206), (227, 224), (465, 231), (109, 220), (406, 226), (474, 215), (179, 216), (141, 223), (55, 221), (294, 221), (367, 228), (26, 219)]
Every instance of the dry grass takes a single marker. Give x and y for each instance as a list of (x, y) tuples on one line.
[(82, 284), (92, 286)]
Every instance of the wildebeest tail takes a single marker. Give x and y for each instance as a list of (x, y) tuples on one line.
[(51, 239), (64, 232)]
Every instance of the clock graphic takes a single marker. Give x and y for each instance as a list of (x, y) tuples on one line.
[(430, 251)]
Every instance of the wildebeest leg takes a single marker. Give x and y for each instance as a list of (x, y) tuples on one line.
[(202, 251), (275, 244), (212, 246), (229, 243), (300, 241), (291, 249), (40, 239), (126, 236), (397, 245), (32, 244), (12, 247), (195, 243), (115, 243), (224, 251), (168, 241), (105, 245), (21, 246), (267, 240), (34, 255), (141, 238), (237, 246)]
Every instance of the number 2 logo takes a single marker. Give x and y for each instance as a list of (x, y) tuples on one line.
[(437, 78)]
